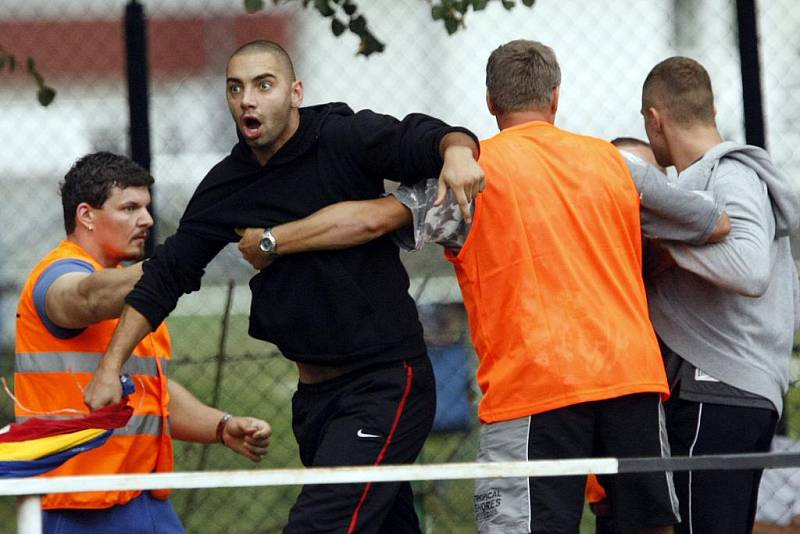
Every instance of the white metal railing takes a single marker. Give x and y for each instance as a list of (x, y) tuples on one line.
[(29, 516)]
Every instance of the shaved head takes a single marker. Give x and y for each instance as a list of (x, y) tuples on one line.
[(682, 87), (624, 142), (267, 47)]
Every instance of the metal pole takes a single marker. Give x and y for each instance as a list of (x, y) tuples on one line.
[(138, 95), (751, 72), (29, 514)]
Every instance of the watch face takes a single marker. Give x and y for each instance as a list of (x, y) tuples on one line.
[(267, 243)]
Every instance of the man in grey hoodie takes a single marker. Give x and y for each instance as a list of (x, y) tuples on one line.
[(725, 312)]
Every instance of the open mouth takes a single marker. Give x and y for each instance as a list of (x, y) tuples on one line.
[(251, 128)]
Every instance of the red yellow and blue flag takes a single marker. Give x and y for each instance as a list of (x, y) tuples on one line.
[(39, 445)]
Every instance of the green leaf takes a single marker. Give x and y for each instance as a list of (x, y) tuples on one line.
[(451, 25), (252, 6), (369, 45), (528, 3), (46, 95), (338, 27), (349, 7), (437, 12), (358, 25), (508, 4), (479, 5), (31, 64), (324, 8)]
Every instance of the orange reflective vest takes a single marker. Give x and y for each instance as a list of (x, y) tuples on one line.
[(51, 373), (551, 276)]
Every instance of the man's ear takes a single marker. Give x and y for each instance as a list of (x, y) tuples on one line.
[(84, 216), (490, 105), (297, 93), (656, 119), (554, 100)]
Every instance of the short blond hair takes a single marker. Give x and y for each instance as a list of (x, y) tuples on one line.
[(521, 75), (682, 87)]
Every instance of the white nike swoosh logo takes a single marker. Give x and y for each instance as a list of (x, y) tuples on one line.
[(362, 434)]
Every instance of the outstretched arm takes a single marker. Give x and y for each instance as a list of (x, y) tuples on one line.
[(409, 212), (341, 225), (79, 299), (414, 149), (671, 213), (176, 268)]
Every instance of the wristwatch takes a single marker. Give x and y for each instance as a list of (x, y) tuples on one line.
[(268, 244)]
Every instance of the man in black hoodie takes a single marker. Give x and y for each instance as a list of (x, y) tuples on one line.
[(366, 393)]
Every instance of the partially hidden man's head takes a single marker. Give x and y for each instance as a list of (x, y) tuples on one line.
[(522, 75), (676, 95), (263, 93), (638, 148), (105, 198)]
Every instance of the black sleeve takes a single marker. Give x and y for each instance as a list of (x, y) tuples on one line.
[(177, 266), (405, 150)]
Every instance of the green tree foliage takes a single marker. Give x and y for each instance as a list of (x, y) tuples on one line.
[(453, 12), (345, 16), (45, 93)]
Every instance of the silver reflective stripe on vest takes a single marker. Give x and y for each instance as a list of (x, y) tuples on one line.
[(137, 425), (82, 362), (141, 425)]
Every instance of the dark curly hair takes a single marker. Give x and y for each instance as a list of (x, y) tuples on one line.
[(91, 178)]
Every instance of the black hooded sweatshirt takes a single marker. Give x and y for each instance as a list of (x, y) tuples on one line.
[(342, 307)]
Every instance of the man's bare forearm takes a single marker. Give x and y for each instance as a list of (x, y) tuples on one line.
[(190, 419), (194, 421), (131, 329), (342, 225)]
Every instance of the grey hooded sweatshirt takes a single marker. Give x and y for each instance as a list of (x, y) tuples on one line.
[(731, 308)]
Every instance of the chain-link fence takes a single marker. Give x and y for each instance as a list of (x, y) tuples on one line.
[(605, 50)]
